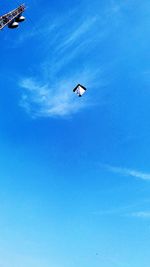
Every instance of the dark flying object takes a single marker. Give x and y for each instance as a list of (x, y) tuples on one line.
[(13, 18), (79, 90)]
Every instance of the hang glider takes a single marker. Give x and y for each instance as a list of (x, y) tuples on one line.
[(13, 18), (79, 90)]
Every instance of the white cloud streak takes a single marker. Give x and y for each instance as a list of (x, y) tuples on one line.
[(141, 214), (129, 172), (46, 101), (78, 34)]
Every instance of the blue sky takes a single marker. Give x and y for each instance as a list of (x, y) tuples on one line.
[(75, 172)]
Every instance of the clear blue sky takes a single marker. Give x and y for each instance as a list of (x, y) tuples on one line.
[(75, 172)]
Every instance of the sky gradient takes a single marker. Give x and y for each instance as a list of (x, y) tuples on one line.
[(75, 172)]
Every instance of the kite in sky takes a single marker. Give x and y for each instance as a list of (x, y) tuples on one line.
[(79, 90)]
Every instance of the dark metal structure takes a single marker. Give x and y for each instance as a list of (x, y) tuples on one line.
[(12, 18)]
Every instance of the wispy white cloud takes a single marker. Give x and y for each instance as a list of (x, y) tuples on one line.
[(141, 214), (35, 32), (78, 33), (122, 212), (128, 172), (49, 100)]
